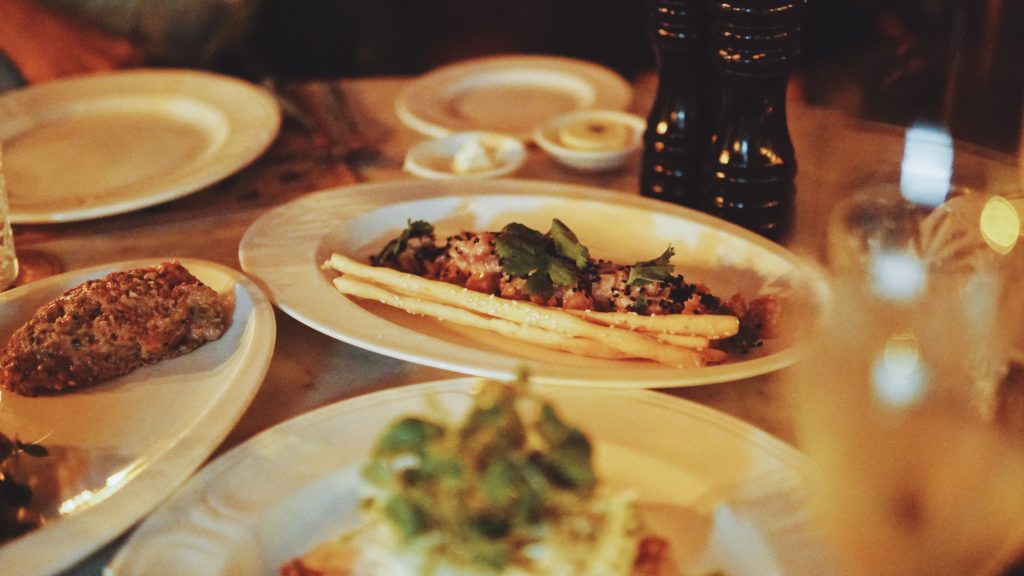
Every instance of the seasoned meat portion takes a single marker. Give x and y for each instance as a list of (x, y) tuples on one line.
[(469, 259), (555, 270), (109, 327)]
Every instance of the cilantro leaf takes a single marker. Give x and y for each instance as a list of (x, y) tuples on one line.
[(413, 229), (561, 273), (539, 284), (567, 245), (657, 270), (544, 260), (640, 305), (522, 250)]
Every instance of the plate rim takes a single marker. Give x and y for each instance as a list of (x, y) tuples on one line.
[(151, 486), (618, 96), (785, 456), (369, 196), (252, 128)]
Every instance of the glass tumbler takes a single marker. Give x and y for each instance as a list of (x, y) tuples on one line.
[(895, 399), (8, 259)]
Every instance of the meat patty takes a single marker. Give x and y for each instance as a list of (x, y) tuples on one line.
[(109, 327)]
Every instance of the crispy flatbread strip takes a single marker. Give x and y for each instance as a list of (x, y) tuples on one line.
[(713, 326), (694, 342), (700, 344), (554, 319), (353, 287)]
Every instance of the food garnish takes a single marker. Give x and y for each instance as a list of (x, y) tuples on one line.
[(543, 260), (15, 496), (391, 250), (546, 288), (509, 489), (658, 270)]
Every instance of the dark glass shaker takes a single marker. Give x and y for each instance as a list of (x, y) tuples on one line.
[(752, 164), (675, 142)]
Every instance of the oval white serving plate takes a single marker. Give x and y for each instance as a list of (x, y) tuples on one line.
[(286, 247), (119, 448), (507, 94), (97, 145), (728, 497)]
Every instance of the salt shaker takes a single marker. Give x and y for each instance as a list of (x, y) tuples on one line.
[(675, 141), (751, 162)]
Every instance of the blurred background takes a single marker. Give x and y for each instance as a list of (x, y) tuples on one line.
[(956, 61), (960, 62)]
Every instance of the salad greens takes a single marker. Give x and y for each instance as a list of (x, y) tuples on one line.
[(490, 485)]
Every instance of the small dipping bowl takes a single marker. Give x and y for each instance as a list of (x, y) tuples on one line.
[(591, 140), (466, 155)]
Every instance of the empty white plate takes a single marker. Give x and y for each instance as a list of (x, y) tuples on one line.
[(507, 94), (103, 144)]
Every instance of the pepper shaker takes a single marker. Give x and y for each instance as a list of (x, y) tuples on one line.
[(675, 141), (751, 163)]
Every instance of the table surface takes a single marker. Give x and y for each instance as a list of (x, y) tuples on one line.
[(836, 154)]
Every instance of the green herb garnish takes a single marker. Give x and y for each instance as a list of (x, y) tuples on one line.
[(657, 270), (16, 496), (544, 260), (486, 486), (567, 245), (413, 229), (640, 304)]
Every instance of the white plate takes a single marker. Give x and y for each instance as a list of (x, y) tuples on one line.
[(104, 144), (286, 247), (507, 94), (123, 446), (294, 485)]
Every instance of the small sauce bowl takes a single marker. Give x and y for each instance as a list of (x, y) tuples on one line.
[(591, 140), (466, 155)]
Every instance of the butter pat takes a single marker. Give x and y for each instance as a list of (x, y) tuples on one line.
[(466, 155), (473, 156)]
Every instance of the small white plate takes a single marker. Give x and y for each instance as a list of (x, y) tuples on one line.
[(549, 136), (121, 447), (507, 94), (286, 247), (97, 145), (722, 492), (441, 158)]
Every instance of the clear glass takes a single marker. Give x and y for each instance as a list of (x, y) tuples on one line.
[(896, 399), (8, 259)]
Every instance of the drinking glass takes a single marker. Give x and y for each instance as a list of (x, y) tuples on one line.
[(8, 259), (896, 399)]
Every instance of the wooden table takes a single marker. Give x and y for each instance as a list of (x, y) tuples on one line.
[(836, 153)]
